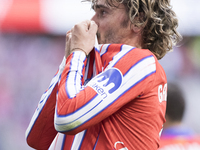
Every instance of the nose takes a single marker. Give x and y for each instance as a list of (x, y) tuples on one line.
[(94, 18)]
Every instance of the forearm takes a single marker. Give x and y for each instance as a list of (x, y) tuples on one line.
[(78, 106), (71, 94), (104, 94)]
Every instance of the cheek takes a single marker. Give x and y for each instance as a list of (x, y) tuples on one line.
[(111, 36), (102, 28), (109, 33), (105, 25)]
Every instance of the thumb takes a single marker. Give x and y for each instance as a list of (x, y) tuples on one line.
[(93, 28)]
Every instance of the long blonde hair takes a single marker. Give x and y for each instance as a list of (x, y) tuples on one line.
[(158, 20)]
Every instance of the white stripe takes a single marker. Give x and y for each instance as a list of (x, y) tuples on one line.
[(135, 74), (104, 49), (78, 140), (94, 70), (96, 45), (118, 56), (68, 122), (140, 70), (71, 90), (45, 97), (57, 142), (73, 83), (87, 69)]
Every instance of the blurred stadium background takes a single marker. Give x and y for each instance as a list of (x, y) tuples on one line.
[(32, 41)]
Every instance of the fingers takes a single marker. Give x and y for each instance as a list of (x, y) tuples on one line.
[(90, 25), (68, 35), (93, 27), (67, 44), (86, 26), (83, 26), (87, 23), (68, 31), (81, 37)]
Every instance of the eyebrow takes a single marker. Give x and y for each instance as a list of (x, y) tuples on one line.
[(99, 6)]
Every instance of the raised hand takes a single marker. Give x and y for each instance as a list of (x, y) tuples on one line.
[(81, 37)]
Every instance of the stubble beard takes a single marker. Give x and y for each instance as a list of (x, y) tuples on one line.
[(108, 38), (111, 35)]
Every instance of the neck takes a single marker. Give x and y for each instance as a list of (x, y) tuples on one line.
[(135, 40)]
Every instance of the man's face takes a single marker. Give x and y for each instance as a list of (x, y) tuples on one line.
[(113, 23)]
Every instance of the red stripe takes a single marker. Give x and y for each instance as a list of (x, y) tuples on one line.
[(68, 142), (112, 50), (90, 137), (98, 62), (90, 71)]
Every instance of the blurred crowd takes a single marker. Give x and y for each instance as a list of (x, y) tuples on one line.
[(28, 62)]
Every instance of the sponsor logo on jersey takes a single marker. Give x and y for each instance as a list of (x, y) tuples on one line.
[(107, 82)]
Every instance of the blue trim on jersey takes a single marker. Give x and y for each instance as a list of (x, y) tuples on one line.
[(79, 108), (63, 143), (96, 50), (125, 92), (106, 49), (46, 92), (82, 139), (121, 56), (131, 86), (66, 89), (122, 93), (76, 74), (96, 141), (138, 63), (88, 118), (39, 112), (112, 101), (80, 116), (75, 77)]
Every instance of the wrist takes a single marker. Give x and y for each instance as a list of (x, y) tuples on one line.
[(78, 49)]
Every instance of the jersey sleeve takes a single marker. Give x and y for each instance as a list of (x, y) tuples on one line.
[(41, 132), (80, 106)]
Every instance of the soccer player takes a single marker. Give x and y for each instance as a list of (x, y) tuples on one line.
[(110, 96)]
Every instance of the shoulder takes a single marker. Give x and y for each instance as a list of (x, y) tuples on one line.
[(126, 49), (128, 56)]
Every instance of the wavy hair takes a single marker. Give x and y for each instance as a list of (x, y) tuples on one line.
[(158, 20)]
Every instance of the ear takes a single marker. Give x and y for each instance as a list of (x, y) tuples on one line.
[(136, 28), (138, 23)]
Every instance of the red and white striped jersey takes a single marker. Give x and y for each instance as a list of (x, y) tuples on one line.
[(115, 99)]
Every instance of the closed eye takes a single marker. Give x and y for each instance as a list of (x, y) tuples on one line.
[(100, 10)]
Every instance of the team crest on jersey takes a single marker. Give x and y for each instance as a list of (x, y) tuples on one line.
[(107, 82)]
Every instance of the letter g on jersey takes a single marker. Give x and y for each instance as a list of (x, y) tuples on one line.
[(107, 82)]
